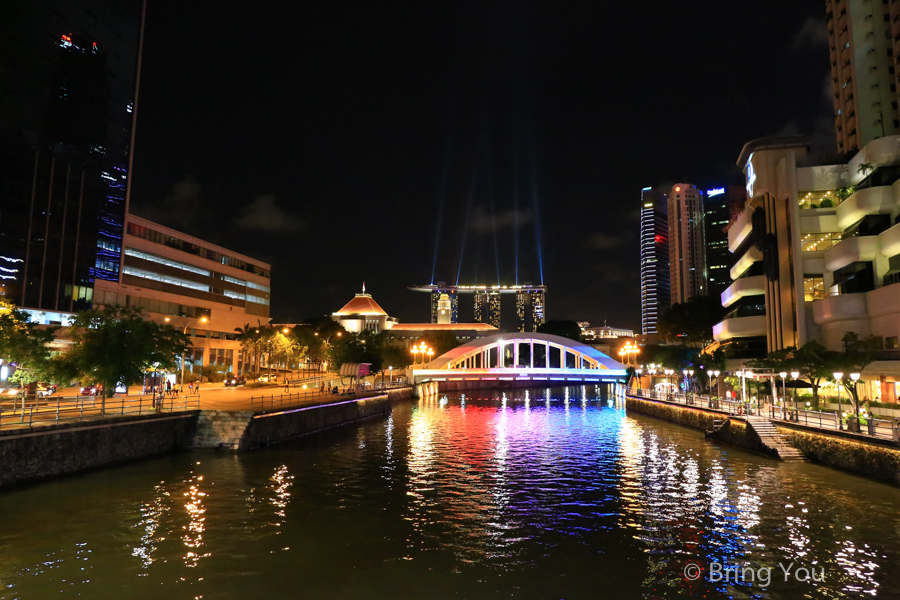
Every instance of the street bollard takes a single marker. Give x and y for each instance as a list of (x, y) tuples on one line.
[(57, 410), (31, 415)]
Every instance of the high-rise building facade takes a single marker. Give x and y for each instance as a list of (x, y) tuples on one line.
[(655, 289), (687, 243), (864, 40), (198, 287), (487, 308), (530, 309), (813, 264), (719, 206), (67, 107)]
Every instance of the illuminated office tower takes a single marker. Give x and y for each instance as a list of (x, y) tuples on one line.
[(487, 308), (70, 72), (687, 244), (655, 291), (530, 308), (444, 298), (720, 204), (864, 41)]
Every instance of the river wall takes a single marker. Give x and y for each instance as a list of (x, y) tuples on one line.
[(735, 432), (872, 458), (30, 455)]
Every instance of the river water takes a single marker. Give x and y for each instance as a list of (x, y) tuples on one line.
[(549, 494)]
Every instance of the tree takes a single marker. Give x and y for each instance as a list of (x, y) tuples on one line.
[(118, 345), (251, 344), (566, 329), (814, 362), (439, 341), (691, 322), (857, 355), (25, 344)]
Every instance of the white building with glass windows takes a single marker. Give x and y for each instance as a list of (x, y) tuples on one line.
[(817, 254), (194, 285)]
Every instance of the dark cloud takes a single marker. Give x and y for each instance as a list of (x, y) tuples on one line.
[(180, 207), (812, 35), (484, 222), (264, 214), (603, 241)]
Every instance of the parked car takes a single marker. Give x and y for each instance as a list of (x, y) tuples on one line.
[(235, 381), (12, 392), (92, 390), (268, 378)]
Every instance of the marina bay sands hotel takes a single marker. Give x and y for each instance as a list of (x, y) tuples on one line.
[(529, 303)]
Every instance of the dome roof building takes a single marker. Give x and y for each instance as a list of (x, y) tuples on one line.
[(362, 313)]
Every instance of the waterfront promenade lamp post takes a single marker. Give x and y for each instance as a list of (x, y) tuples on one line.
[(855, 378), (669, 373), (202, 320), (639, 372), (716, 374), (783, 388), (838, 378), (652, 372), (794, 376)]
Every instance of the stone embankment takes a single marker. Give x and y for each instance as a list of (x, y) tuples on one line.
[(43, 452), (861, 455)]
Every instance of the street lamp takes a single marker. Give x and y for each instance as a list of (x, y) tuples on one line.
[(202, 320), (794, 376), (783, 390), (838, 377), (855, 378), (669, 373), (639, 373), (716, 375)]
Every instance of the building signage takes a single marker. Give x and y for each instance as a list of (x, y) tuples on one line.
[(751, 177), (715, 192)]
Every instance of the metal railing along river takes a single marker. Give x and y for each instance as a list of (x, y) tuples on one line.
[(37, 411), (729, 405), (319, 394), (827, 421), (832, 421)]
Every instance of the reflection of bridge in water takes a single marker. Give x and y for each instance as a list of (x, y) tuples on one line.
[(523, 357)]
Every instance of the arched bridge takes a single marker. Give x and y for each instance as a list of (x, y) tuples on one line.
[(522, 357)]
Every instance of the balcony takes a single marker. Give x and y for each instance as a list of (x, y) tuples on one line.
[(840, 308), (752, 255), (865, 202), (740, 229), (858, 249), (746, 286), (890, 241), (739, 327)]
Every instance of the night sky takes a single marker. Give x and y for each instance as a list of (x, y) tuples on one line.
[(340, 141)]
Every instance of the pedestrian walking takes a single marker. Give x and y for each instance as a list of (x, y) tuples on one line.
[(191, 387), (197, 388), (287, 385)]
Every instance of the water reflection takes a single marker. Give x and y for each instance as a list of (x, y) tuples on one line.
[(506, 494)]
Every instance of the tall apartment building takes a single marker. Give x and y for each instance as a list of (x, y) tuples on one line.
[(67, 107), (687, 243), (487, 307), (530, 309), (205, 289), (812, 264), (864, 40), (655, 287), (720, 204)]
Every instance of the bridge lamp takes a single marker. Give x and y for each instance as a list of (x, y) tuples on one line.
[(429, 353)]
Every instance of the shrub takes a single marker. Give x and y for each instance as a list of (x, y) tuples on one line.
[(826, 203)]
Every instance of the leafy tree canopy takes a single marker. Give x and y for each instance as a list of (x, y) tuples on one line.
[(117, 344), (566, 329), (25, 344), (691, 322)]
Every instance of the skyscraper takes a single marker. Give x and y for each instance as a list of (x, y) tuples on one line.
[(487, 307), (530, 308), (70, 71), (864, 40), (655, 291), (720, 204), (687, 247)]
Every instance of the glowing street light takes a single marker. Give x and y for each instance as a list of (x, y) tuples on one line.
[(855, 378), (189, 321), (838, 378)]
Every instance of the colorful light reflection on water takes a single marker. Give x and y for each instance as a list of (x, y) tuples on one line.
[(540, 494)]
